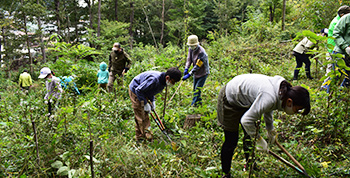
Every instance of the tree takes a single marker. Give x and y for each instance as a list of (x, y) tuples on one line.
[(131, 23), (42, 47), (99, 19)]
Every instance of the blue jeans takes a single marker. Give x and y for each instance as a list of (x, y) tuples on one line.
[(198, 83), (346, 80)]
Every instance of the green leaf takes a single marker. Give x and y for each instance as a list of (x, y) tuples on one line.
[(63, 171), (93, 159), (57, 164)]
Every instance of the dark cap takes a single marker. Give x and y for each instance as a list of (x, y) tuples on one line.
[(343, 10)]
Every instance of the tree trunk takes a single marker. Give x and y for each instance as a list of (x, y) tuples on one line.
[(116, 9), (271, 13), (67, 35), (99, 19), (28, 44), (0, 48), (76, 28), (150, 28), (162, 31), (90, 5), (284, 15), (42, 47), (57, 2), (131, 32)]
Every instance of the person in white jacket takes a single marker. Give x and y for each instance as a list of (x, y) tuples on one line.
[(246, 98), (53, 87), (301, 57)]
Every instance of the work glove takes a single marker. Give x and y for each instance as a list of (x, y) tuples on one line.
[(186, 76), (153, 105), (185, 72), (347, 50), (126, 70), (272, 134), (147, 107), (261, 145)]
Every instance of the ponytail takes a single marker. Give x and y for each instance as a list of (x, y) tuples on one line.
[(298, 94)]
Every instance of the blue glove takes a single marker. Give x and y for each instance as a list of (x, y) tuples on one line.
[(186, 76), (185, 72)]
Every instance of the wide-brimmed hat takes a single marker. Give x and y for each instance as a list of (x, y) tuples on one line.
[(192, 40)]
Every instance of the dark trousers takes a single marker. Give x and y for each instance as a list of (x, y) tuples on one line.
[(302, 58), (229, 117), (229, 146)]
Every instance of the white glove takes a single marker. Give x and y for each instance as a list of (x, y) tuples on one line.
[(261, 145), (347, 50), (271, 134), (147, 107), (46, 102), (153, 105)]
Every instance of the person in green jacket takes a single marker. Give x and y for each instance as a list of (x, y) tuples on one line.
[(103, 75), (25, 80), (341, 34), (119, 64), (341, 11)]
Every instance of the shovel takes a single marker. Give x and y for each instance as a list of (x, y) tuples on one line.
[(299, 168), (161, 126)]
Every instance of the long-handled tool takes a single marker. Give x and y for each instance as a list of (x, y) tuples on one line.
[(175, 91), (299, 168), (161, 126)]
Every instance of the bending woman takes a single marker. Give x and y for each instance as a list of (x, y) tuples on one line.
[(244, 99)]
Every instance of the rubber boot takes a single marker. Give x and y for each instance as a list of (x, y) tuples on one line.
[(296, 73), (308, 75)]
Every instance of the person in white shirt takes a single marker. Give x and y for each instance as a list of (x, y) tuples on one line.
[(53, 87), (246, 98)]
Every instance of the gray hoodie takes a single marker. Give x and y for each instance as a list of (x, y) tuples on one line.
[(257, 92)]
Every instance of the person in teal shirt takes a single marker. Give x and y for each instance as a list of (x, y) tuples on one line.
[(103, 75), (68, 83)]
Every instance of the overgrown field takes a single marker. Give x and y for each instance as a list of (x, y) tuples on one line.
[(319, 141)]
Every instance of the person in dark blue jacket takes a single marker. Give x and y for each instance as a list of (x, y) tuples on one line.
[(143, 88)]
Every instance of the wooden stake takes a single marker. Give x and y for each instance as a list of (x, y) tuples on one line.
[(36, 143)]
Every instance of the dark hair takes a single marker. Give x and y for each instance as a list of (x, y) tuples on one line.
[(174, 73), (343, 10), (25, 70), (324, 31), (298, 94)]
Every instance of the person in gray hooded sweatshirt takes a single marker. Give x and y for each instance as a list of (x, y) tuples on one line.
[(247, 97)]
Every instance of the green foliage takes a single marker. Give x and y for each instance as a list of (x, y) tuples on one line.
[(318, 141)]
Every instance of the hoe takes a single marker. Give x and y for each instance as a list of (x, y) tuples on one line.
[(299, 168)]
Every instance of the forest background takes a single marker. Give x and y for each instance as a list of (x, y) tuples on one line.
[(73, 37)]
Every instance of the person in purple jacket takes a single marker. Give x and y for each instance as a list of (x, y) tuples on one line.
[(200, 71), (143, 88)]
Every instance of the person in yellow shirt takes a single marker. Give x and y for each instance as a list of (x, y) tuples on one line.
[(25, 80)]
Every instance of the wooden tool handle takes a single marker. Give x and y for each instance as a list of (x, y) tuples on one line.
[(286, 162), (289, 155)]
